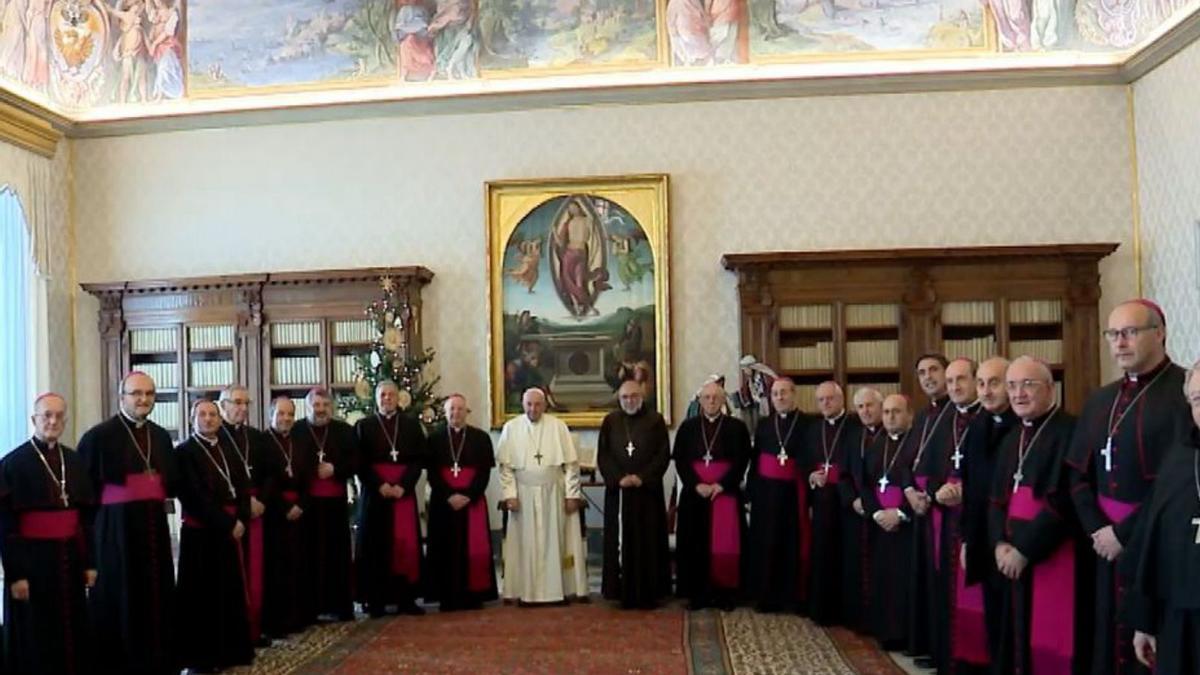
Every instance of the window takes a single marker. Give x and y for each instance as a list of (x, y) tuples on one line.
[(16, 274)]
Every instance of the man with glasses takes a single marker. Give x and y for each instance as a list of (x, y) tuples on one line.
[(1123, 432), (1031, 532), (131, 465), (252, 459), (46, 511)]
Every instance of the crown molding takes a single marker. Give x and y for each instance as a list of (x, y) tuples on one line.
[(28, 126)]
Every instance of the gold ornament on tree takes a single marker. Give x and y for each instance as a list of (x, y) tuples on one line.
[(403, 399)]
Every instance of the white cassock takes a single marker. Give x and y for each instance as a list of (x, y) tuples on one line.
[(544, 555)]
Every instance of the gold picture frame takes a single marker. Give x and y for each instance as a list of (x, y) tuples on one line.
[(578, 292)]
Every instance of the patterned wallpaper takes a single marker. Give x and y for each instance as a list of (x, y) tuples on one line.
[(1168, 140), (984, 167)]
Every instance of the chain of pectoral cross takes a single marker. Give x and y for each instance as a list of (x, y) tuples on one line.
[(783, 438), (1024, 450), (1196, 476), (887, 466), (1113, 426), (244, 456), (393, 437), (927, 435), (828, 448), (59, 481), (957, 457)]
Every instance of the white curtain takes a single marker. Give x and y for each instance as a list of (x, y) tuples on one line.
[(30, 176), (16, 280)]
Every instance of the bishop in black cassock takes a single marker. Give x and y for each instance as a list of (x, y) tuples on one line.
[(390, 557), (287, 593), (884, 471), (331, 449), (131, 465), (1124, 429), (462, 569), (1031, 530), (711, 453), (856, 550), (778, 555), (632, 453), (214, 613), (1164, 558), (46, 512), (827, 443)]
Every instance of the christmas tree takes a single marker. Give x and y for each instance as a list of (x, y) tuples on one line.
[(390, 357)]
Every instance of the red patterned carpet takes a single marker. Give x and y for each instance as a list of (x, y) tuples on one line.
[(592, 638)]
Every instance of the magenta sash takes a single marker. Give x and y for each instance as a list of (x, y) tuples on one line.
[(291, 497), (1052, 624), (327, 488), (406, 556), (479, 551), (1116, 511), (832, 475), (768, 467), (254, 573), (724, 531), (969, 639), (138, 487), (56, 524), (891, 497), (191, 521)]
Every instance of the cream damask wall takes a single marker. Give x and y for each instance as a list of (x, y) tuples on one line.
[(932, 169), (1167, 104)]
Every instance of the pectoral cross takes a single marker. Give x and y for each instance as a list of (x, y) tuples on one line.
[(455, 470), (538, 456), (707, 459), (957, 457), (1017, 478), (883, 483), (232, 492), (289, 472), (320, 456), (1107, 451), (249, 470), (629, 448), (826, 465), (782, 457), (1196, 522), (62, 491), (394, 454)]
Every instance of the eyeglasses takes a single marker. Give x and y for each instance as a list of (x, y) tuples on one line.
[(1024, 385), (1128, 332), (51, 417), (139, 393)]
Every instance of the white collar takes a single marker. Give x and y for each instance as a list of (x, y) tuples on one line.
[(869, 427), (714, 418), (894, 436), (136, 424), (834, 420), (964, 409)]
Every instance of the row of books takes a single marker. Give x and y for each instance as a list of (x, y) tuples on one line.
[(297, 370), (1035, 311), (805, 316), (815, 357), (297, 334), (1049, 351), (872, 315), (153, 340), (979, 349), (980, 313), (873, 353), (885, 388), (165, 375), (806, 397), (343, 368), (210, 337), (301, 408), (166, 415), (210, 373), (356, 331)]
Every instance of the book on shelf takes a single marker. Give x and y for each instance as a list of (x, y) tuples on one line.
[(165, 375), (296, 334), (806, 397), (166, 416), (814, 357), (804, 317), (301, 408), (211, 374), (1035, 311), (977, 313), (884, 388), (355, 331), (873, 354), (210, 337), (1049, 351), (977, 349), (858, 316), (153, 340), (295, 370), (344, 366)]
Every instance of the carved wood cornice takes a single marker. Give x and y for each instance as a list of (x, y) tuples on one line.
[(401, 276), (762, 262), (28, 131)]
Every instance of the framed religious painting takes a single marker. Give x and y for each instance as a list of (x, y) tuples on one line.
[(578, 274)]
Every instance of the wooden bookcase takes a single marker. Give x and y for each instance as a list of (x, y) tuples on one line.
[(279, 334), (863, 317)]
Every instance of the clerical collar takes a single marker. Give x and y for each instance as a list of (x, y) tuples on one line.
[(38, 443), (280, 433), (387, 415), (212, 443), (1039, 419), (895, 436), (783, 414), (870, 428), (231, 425), (964, 409), (455, 429), (136, 424), (834, 420), (713, 419), (939, 401), (999, 416), (1135, 377)]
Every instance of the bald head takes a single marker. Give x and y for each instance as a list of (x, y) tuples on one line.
[(137, 396), (831, 402), (960, 381), (206, 418), (283, 414), (456, 410), (49, 417), (1136, 337), (868, 403), (712, 399), (897, 415), (234, 403), (1030, 386), (533, 402), (783, 395), (989, 382)]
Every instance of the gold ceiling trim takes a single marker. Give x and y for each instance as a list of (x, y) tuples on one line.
[(28, 130)]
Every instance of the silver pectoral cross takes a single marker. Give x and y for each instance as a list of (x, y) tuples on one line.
[(782, 457), (883, 483), (707, 458), (394, 454), (826, 465), (1196, 522), (1017, 478), (455, 470), (957, 457), (1107, 451), (321, 456), (629, 448), (66, 500)]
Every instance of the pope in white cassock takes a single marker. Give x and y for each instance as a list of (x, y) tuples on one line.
[(544, 555)]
